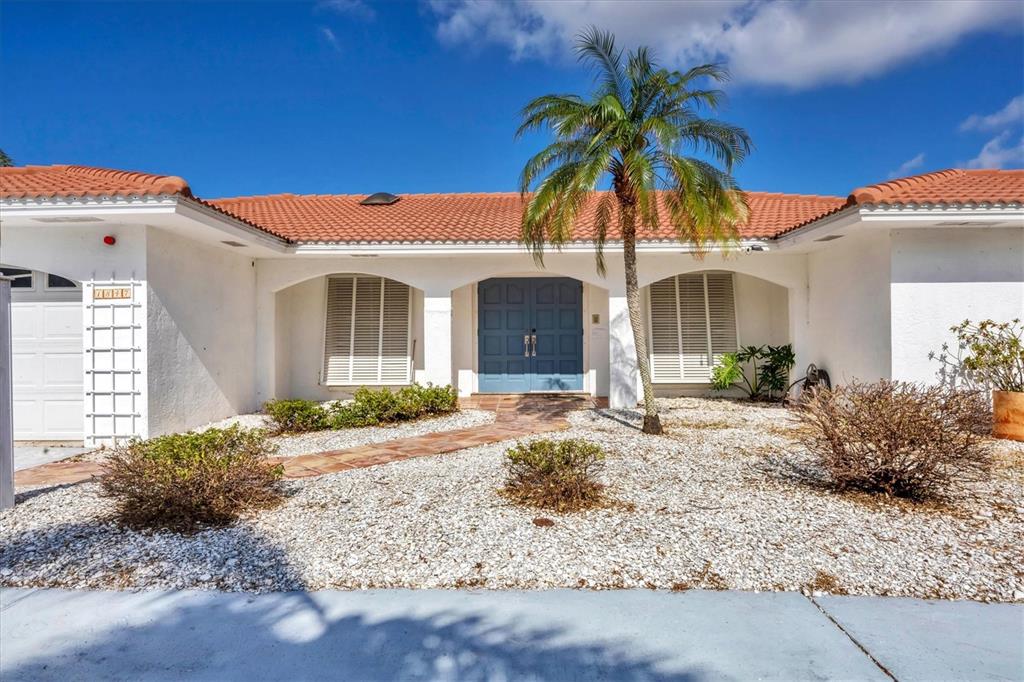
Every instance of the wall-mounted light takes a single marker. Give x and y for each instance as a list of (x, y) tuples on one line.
[(110, 240)]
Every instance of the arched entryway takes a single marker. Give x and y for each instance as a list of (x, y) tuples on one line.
[(46, 352), (694, 318)]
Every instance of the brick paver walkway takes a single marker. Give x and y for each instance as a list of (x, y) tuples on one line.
[(518, 416)]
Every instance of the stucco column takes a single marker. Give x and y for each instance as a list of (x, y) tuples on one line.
[(799, 330), (623, 375), (266, 344), (437, 337)]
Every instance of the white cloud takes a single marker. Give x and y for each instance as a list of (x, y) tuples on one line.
[(1012, 113), (329, 36), (1004, 150), (356, 8), (797, 44), (907, 166)]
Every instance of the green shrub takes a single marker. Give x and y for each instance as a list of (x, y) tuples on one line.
[(186, 480), (371, 407), (897, 438), (558, 475), (368, 407), (770, 377), (297, 416)]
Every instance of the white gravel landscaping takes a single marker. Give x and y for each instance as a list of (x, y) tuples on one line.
[(702, 507), (290, 445)]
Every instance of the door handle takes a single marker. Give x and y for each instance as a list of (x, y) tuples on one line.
[(533, 337), (526, 345)]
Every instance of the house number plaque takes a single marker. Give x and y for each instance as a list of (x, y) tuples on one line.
[(109, 293)]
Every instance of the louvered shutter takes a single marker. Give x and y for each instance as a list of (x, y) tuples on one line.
[(693, 317), (366, 340), (665, 333), (692, 323), (721, 315)]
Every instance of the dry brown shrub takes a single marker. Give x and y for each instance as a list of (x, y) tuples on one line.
[(556, 475), (826, 582), (185, 481), (896, 438)]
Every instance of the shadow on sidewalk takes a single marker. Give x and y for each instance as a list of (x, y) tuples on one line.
[(209, 636)]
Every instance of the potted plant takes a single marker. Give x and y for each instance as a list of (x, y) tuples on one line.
[(991, 354)]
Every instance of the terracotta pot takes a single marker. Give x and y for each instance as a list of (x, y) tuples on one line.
[(1008, 415)]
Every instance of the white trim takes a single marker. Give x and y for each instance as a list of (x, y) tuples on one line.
[(476, 248), (925, 214)]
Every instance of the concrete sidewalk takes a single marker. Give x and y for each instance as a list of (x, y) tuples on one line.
[(460, 635)]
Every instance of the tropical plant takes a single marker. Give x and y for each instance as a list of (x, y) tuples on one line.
[(632, 134), (988, 354), (5, 161), (767, 380)]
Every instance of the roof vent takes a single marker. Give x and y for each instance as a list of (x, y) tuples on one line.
[(380, 199)]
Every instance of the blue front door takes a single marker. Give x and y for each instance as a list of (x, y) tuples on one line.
[(530, 335)]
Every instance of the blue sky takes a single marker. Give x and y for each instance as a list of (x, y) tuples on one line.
[(354, 97)]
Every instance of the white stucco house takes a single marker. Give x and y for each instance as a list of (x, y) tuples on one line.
[(141, 309)]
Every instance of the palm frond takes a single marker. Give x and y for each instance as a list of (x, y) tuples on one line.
[(598, 47)]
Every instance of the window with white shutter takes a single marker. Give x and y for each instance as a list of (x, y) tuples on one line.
[(692, 323), (366, 340)]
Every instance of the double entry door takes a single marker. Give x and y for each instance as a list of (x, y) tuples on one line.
[(530, 334)]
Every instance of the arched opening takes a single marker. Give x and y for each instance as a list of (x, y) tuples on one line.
[(46, 353), (693, 319), (339, 331)]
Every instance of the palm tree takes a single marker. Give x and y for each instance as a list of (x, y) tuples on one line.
[(5, 161), (632, 134)]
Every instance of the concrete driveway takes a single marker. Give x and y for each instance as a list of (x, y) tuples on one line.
[(461, 635), (28, 456)]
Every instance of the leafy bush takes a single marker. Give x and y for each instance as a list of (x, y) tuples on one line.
[(896, 438), (770, 378), (297, 416), (988, 354), (189, 479), (558, 475), (373, 407), (368, 407)]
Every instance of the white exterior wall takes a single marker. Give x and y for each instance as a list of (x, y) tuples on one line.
[(942, 276), (201, 320), (115, 345), (848, 314)]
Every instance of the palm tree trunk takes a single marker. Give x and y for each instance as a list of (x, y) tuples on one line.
[(652, 422)]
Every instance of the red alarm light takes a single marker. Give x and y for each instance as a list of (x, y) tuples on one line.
[(110, 240)]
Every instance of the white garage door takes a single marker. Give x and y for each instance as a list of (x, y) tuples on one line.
[(46, 326)]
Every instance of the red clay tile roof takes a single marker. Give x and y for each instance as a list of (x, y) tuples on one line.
[(493, 217), (490, 217), (951, 186), (63, 181), (28, 182)]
